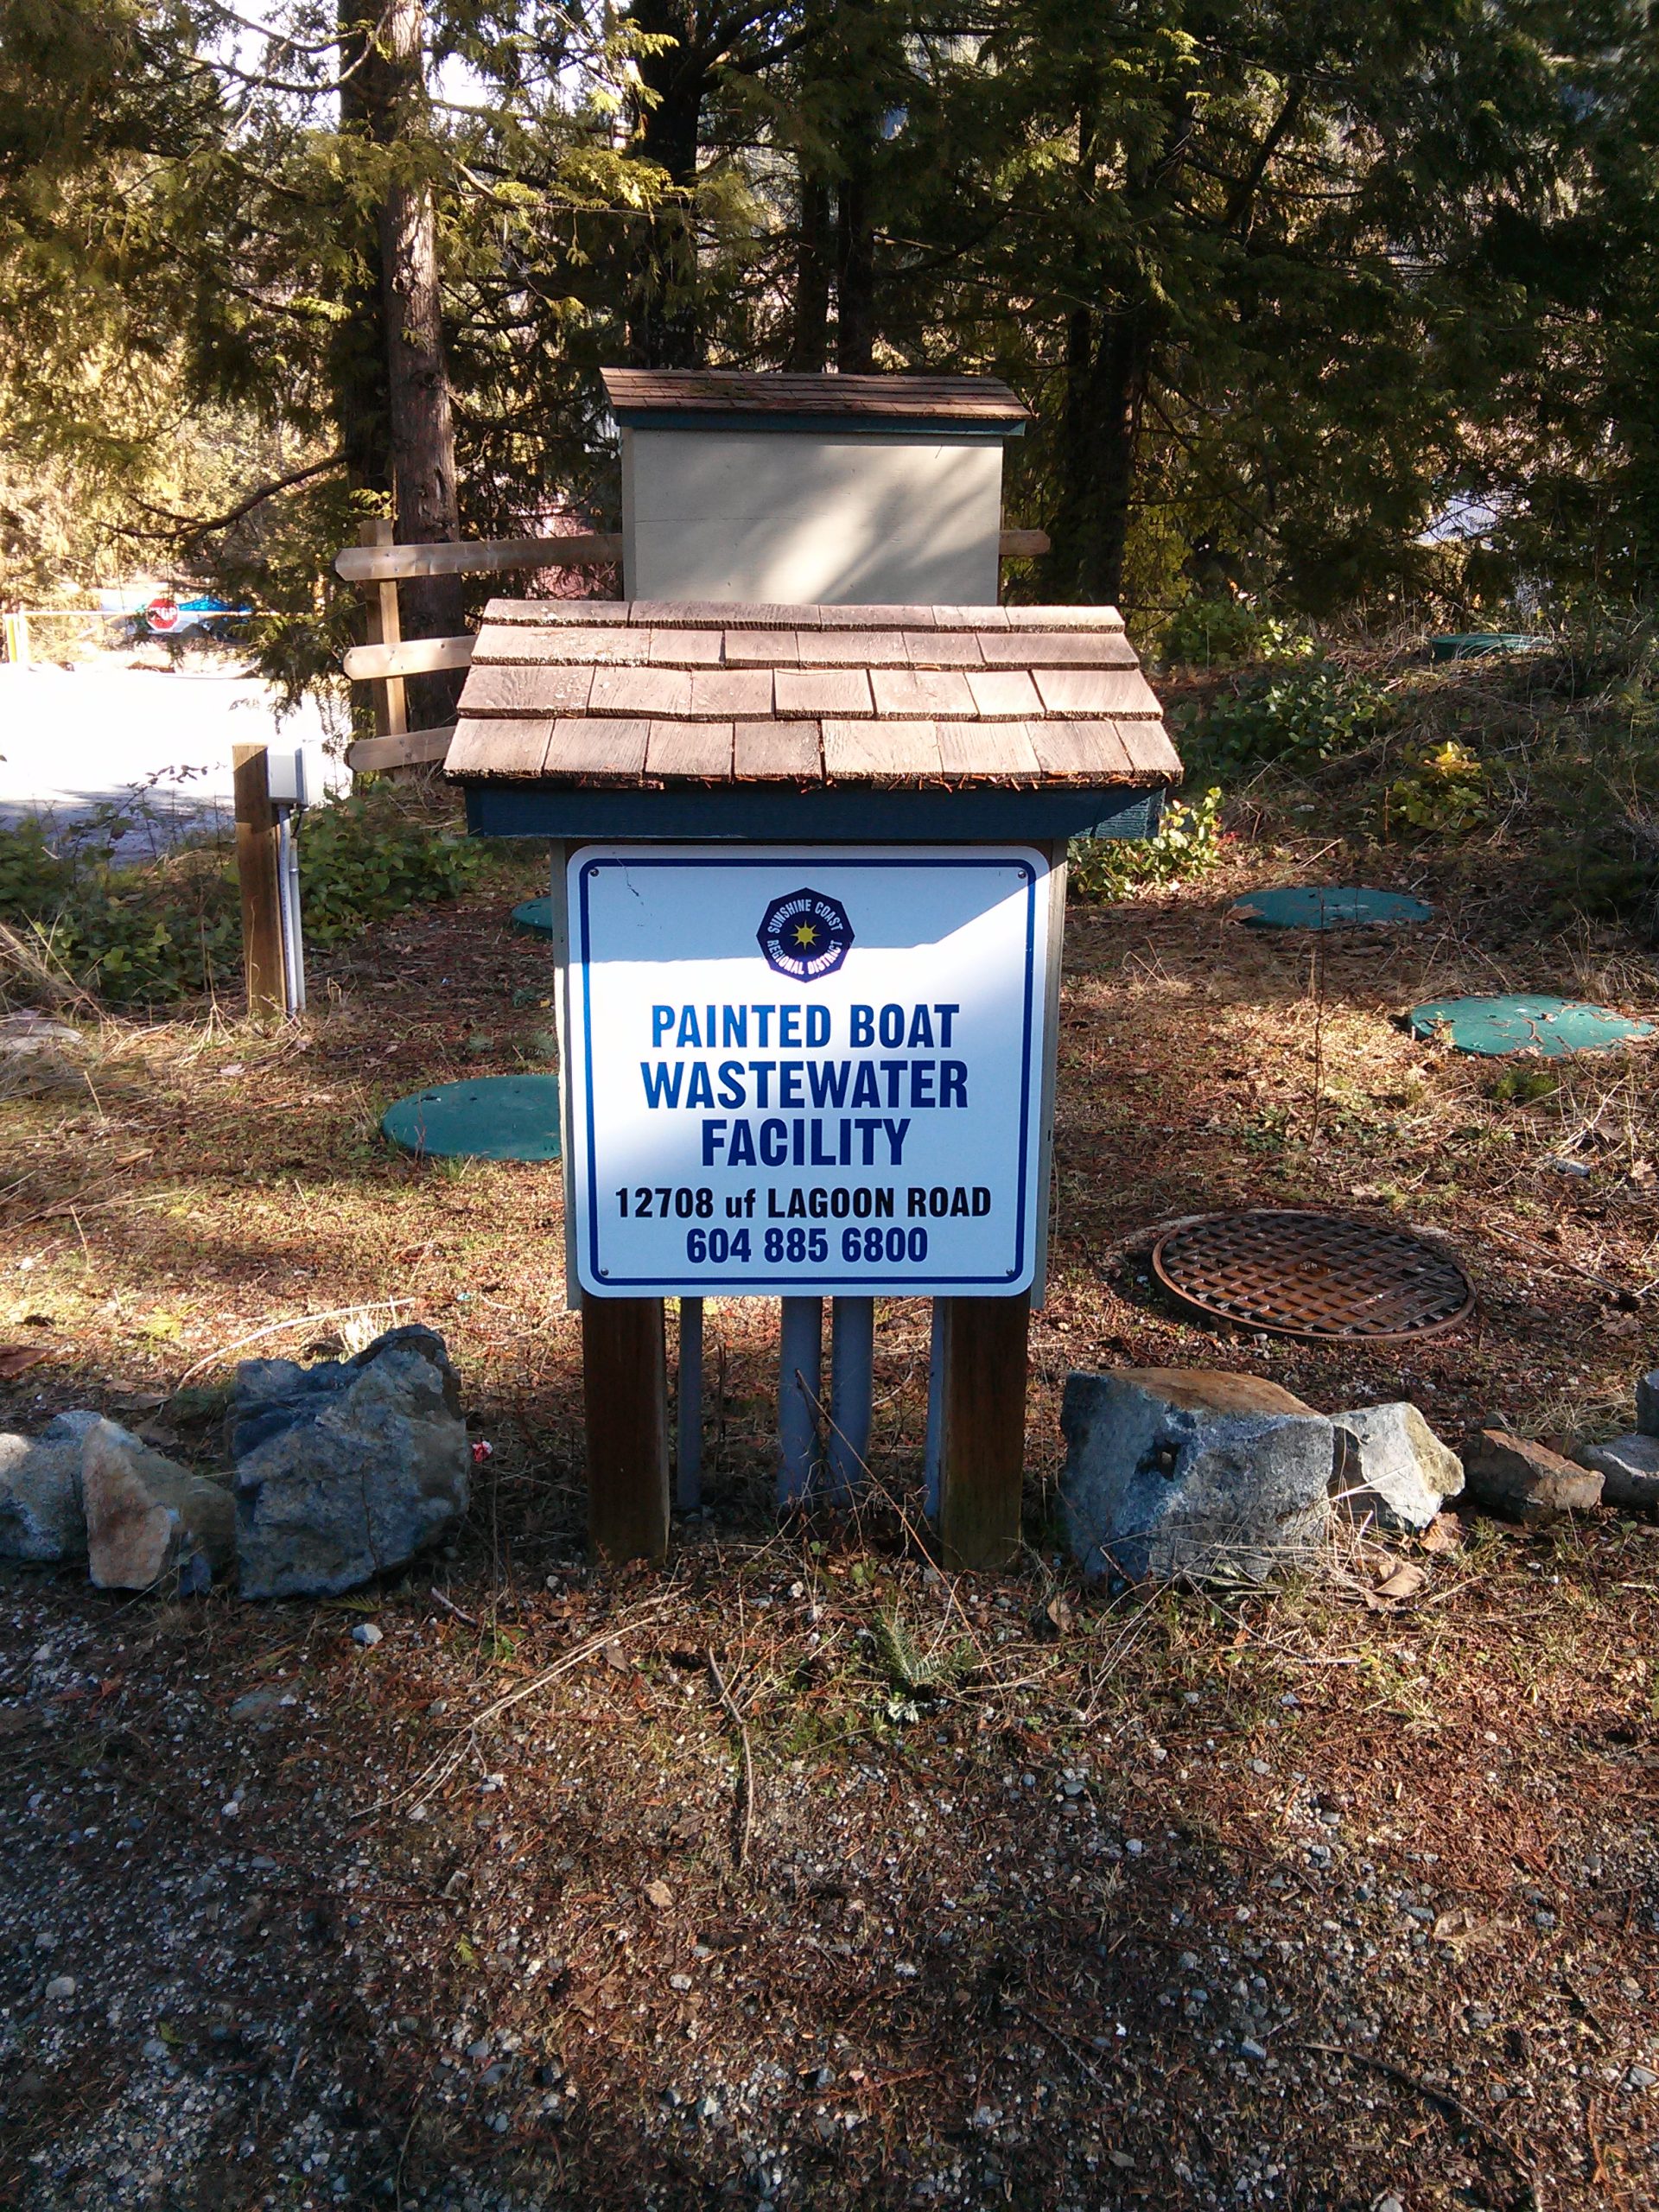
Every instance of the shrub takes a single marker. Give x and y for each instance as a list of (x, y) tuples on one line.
[(1300, 716), (1188, 844), (362, 860), (167, 928), (1228, 633), (1443, 794)]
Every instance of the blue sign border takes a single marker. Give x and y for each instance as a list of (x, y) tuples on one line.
[(818, 1285)]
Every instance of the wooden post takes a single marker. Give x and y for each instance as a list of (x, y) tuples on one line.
[(982, 1429), (383, 626), (257, 871), (625, 1394)]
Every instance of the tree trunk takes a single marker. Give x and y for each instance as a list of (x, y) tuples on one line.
[(357, 347), (809, 349), (665, 326), (855, 269), (420, 439), (1109, 356)]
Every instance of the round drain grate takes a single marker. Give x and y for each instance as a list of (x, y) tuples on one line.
[(1321, 1276)]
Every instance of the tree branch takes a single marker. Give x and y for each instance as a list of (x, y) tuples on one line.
[(186, 527)]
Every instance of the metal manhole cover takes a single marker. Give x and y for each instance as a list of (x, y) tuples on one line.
[(1321, 1276)]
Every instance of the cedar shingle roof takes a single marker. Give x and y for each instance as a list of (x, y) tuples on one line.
[(886, 398), (567, 691)]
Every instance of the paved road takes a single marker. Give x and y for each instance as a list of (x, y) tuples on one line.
[(76, 741)]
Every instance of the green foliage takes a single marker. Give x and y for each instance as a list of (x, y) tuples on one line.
[(1524, 1085), (32, 876), (1229, 633), (362, 860), (1187, 845), (1297, 715), (1443, 794), (908, 1668), (166, 928)]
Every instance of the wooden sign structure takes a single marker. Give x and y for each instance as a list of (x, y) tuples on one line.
[(808, 666), (819, 729)]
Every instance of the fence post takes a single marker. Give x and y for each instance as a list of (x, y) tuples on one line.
[(258, 874), (383, 626)]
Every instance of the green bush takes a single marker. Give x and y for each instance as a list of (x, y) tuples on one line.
[(1229, 633), (32, 876), (1188, 844), (1444, 793), (361, 860), (166, 929), (1300, 716)]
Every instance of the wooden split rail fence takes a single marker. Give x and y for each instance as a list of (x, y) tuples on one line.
[(387, 658)]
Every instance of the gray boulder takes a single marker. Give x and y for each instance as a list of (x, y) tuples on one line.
[(1647, 1403), (1183, 1472), (150, 1520), (345, 1470), (1527, 1482), (1628, 1468), (42, 1516), (1392, 1470)]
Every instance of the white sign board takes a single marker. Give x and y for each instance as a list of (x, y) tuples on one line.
[(803, 1070)]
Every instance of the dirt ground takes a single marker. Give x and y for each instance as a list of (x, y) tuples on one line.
[(802, 1874)]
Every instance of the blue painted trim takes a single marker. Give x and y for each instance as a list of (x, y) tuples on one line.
[(756, 814), (864, 1286), (941, 432)]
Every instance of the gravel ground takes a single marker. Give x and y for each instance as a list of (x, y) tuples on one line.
[(1268, 1902)]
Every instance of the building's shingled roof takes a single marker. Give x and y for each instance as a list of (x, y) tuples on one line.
[(895, 399), (617, 692)]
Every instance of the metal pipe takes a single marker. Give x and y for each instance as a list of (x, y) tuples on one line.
[(287, 900), (688, 1409), (935, 1403), (799, 1387), (852, 1387)]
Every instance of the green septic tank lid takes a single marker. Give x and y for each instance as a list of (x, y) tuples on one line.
[(534, 918), (1552, 1027), (1325, 906), (492, 1117), (1469, 645)]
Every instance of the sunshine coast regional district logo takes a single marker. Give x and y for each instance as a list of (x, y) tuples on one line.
[(805, 934)]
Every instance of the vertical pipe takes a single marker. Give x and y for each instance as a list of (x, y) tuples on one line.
[(288, 882), (688, 1409), (800, 1384), (935, 1409), (852, 1383)]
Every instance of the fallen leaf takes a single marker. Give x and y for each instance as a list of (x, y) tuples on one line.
[(1443, 1534), (16, 1359), (1405, 1582), (1463, 1929), (617, 1657), (660, 1895)]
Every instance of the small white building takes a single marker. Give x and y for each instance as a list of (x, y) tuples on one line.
[(827, 490)]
